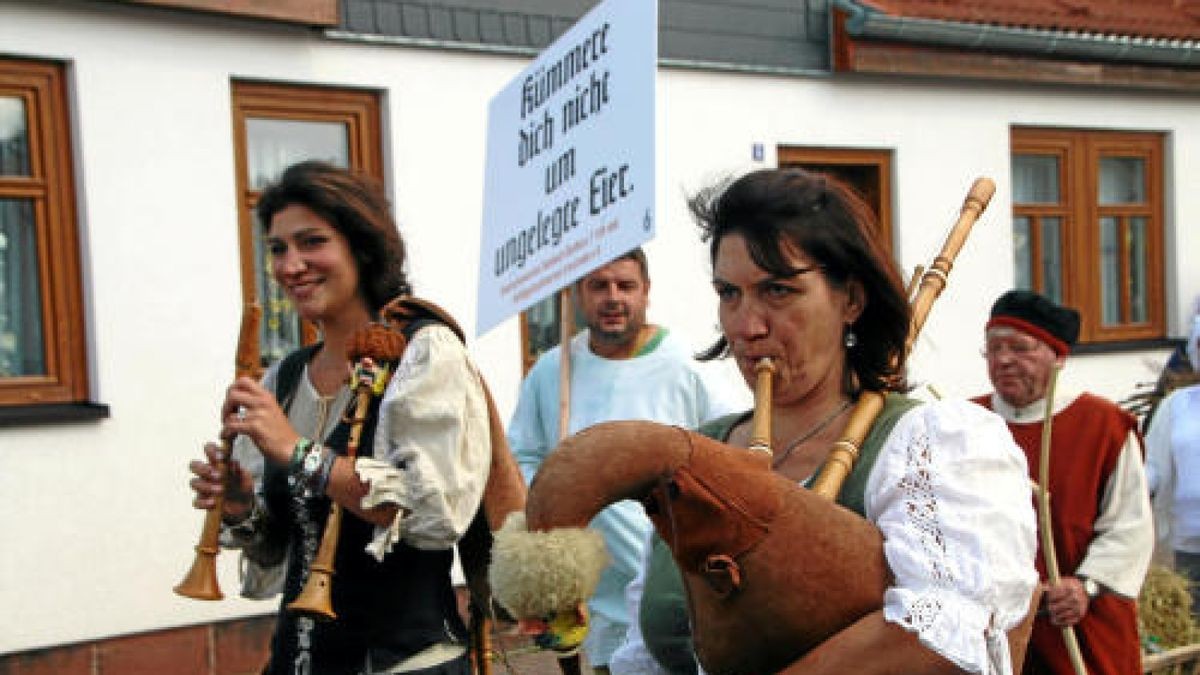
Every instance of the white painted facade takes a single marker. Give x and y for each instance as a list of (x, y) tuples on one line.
[(97, 524)]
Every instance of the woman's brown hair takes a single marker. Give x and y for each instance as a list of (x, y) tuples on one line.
[(773, 209), (356, 207)]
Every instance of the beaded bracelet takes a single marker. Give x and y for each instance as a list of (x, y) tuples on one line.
[(320, 479), (303, 445), (300, 475)]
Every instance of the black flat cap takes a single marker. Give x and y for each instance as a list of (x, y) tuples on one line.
[(1053, 324)]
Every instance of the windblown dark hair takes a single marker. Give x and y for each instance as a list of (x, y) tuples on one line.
[(832, 225), (355, 206)]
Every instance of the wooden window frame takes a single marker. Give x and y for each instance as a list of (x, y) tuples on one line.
[(307, 12), (820, 158), (1062, 149), (1081, 151), (361, 112), (50, 187)]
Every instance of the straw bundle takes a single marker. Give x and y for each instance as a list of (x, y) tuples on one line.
[(1164, 610)]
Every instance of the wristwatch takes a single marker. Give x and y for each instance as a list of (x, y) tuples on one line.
[(1090, 587)]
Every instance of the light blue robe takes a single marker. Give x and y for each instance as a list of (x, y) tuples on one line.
[(664, 385)]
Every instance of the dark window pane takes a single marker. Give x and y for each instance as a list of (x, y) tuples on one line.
[(274, 145), (541, 326), (22, 351), (1052, 259), (1122, 180), (1022, 253), (280, 331), (1138, 293), (1036, 179), (14, 137), (1110, 271)]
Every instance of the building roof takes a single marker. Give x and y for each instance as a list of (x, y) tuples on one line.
[(755, 35), (1159, 19)]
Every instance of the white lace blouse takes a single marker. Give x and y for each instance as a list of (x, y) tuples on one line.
[(950, 492)]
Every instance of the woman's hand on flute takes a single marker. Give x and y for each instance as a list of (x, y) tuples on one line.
[(208, 483), (252, 411)]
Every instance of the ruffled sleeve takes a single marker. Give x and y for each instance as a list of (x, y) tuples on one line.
[(951, 494), (432, 446)]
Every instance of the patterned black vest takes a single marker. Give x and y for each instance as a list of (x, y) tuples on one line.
[(390, 610)]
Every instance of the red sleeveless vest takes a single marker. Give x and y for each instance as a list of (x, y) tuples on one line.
[(1088, 437)]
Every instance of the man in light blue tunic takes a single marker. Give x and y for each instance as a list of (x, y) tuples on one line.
[(622, 368)]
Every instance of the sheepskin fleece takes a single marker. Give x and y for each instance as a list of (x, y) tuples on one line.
[(535, 574)]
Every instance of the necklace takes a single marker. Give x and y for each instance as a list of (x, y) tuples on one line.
[(787, 452)]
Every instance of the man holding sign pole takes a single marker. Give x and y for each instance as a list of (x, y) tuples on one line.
[(569, 194), (621, 368)]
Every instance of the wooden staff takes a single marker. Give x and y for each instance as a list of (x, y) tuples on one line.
[(566, 327), (1045, 524), (845, 451), (371, 348), (568, 665), (201, 583)]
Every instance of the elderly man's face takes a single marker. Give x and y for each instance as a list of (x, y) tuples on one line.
[(1019, 365)]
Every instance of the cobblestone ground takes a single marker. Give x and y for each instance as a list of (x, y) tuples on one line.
[(527, 663), (519, 657)]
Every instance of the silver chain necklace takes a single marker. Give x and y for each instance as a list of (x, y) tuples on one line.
[(787, 452)]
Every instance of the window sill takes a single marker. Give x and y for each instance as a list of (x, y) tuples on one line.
[(51, 413), (1124, 346)]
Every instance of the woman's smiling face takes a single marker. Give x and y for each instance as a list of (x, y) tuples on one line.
[(313, 264)]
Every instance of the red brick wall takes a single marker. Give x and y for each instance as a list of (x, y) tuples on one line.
[(236, 647)]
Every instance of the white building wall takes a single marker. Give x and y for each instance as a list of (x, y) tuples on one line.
[(97, 520)]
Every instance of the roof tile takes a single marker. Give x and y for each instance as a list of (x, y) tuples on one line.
[(1174, 19)]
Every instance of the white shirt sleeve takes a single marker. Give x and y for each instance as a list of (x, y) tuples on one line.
[(526, 429), (432, 446), (1160, 476), (1159, 467), (1120, 551), (950, 492), (632, 657)]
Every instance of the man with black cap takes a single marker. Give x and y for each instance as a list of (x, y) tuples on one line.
[(1100, 509)]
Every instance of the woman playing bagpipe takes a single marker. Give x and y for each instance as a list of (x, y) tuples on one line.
[(925, 565), (382, 431)]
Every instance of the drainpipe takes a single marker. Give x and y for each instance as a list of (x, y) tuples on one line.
[(863, 21)]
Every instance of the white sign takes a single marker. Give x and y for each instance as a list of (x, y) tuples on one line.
[(569, 182)]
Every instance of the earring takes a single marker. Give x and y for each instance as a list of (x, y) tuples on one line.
[(851, 339)]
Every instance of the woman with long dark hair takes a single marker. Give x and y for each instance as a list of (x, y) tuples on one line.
[(416, 483)]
